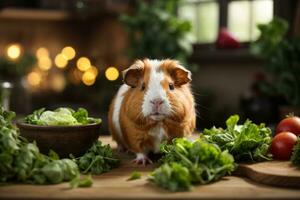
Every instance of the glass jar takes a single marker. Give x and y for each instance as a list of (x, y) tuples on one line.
[(5, 91)]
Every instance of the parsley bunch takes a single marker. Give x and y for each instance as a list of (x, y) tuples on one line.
[(97, 160)]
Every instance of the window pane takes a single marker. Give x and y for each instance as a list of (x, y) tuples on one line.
[(204, 16), (239, 19), (208, 22), (188, 11), (262, 13)]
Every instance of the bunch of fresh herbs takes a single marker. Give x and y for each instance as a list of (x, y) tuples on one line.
[(98, 159), (247, 142), (60, 116), (187, 162), (295, 158)]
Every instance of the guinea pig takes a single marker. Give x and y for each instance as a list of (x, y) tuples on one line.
[(154, 104)]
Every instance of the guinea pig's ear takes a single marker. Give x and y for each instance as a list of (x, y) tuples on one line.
[(133, 74), (180, 75)]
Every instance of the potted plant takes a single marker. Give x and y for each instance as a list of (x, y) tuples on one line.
[(282, 62), (155, 31)]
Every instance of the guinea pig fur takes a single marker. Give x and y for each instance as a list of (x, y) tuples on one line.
[(154, 104)]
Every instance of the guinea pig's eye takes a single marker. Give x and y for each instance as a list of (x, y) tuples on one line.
[(143, 87), (171, 86)]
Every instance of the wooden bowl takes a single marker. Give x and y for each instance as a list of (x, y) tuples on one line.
[(64, 140)]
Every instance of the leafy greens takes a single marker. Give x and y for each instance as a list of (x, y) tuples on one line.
[(187, 162), (295, 158), (21, 161), (97, 160), (60, 116), (247, 142)]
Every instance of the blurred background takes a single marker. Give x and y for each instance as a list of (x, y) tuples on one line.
[(244, 54)]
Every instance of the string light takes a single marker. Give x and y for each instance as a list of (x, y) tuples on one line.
[(88, 78), (34, 78), (93, 70), (112, 73), (14, 51), (83, 64), (44, 63), (68, 52), (42, 52), (60, 61)]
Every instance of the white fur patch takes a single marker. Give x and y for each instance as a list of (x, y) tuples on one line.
[(155, 91), (140, 156), (159, 134), (116, 110)]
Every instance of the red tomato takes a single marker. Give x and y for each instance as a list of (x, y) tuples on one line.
[(282, 145), (290, 124)]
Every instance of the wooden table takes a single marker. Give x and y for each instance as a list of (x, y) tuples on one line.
[(114, 185)]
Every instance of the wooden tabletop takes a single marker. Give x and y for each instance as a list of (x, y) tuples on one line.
[(114, 185)]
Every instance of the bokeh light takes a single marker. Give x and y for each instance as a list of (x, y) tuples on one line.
[(88, 78), (68, 52), (42, 52), (83, 64), (34, 78), (44, 63), (14, 51), (112, 73), (93, 70), (58, 82), (60, 61)]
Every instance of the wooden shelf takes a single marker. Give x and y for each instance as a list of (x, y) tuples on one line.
[(34, 14), (213, 55)]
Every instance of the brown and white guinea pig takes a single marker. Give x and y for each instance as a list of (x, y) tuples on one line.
[(154, 104)]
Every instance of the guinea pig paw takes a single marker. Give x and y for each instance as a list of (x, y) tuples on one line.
[(142, 159)]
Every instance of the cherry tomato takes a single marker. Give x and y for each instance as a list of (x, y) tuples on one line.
[(282, 145), (290, 124)]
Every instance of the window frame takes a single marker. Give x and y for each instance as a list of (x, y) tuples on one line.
[(203, 52)]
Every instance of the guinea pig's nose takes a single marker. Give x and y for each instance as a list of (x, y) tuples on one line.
[(157, 102)]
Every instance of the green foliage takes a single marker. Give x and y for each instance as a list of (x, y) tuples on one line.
[(134, 175), (16, 68), (156, 32), (61, 116), (21, 161), (295, 158), (97, 160), (82, 182), (283, 60), (247, 142), (172, 176), (186, 162)]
